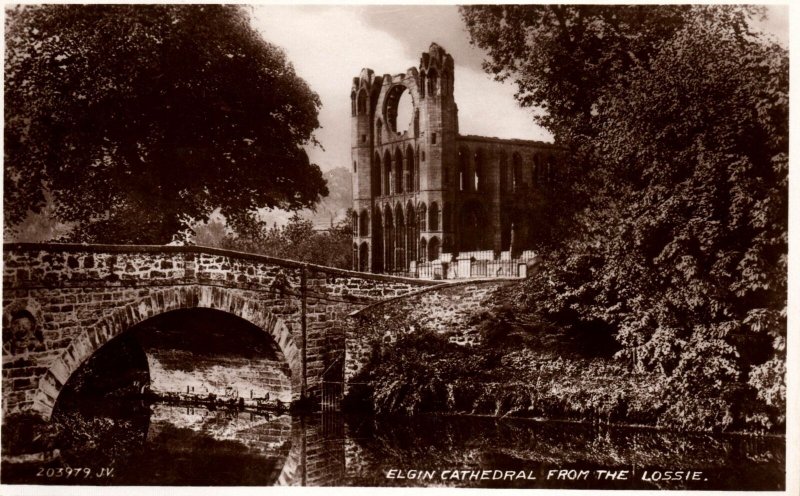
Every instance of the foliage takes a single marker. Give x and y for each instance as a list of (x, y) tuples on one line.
[(297, 240), (140, 120), (677, 119)]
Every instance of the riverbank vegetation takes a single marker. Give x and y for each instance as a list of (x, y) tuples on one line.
[(674, 243)]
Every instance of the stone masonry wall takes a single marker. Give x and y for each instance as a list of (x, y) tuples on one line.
[(447, 309), (62, 302)]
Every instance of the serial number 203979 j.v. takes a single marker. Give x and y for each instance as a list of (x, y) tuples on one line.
[(75, 472)]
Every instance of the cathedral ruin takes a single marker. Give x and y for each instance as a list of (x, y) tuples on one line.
[(428, 201)]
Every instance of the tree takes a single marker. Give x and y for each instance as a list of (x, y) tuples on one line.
[(677, 118), (297, 240), (140, 120)]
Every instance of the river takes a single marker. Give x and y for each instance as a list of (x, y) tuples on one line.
[(134, 443)]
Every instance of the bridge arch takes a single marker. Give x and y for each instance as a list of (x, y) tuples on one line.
[(159, 301)]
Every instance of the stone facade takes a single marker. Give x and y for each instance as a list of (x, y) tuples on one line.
[(63, 302), (427, 190), (446, 309)]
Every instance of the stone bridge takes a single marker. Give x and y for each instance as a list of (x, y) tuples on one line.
[(62, 303)]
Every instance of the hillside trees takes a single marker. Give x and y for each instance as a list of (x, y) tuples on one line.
[(140, 120), (677, 119)]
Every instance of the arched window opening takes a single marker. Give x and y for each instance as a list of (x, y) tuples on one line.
[(423, 249), (355, 224), (422, 214), (379, 132), (433, 215)]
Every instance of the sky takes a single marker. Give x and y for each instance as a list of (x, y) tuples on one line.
[(330, 44)]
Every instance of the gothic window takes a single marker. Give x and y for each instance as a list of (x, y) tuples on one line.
[(422, 214)]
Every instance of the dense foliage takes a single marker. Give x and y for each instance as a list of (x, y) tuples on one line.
[(297, 240), (677, 121), (137, 121)]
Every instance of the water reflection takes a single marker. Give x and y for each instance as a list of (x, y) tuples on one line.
[(175, 445)]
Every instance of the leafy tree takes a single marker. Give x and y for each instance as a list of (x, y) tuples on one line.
[(297, 240), (677, 119), (140, 120)]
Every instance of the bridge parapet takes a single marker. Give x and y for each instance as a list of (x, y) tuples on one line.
[(29, 265)]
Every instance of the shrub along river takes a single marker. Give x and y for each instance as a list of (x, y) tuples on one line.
[(128, 442)]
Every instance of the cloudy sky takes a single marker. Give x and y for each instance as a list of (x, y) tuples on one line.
[(329, 45)]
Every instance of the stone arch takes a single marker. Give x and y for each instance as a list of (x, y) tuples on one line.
[(155, 303), (355, 224), (422, 215), (391, 108), (423, 249)]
